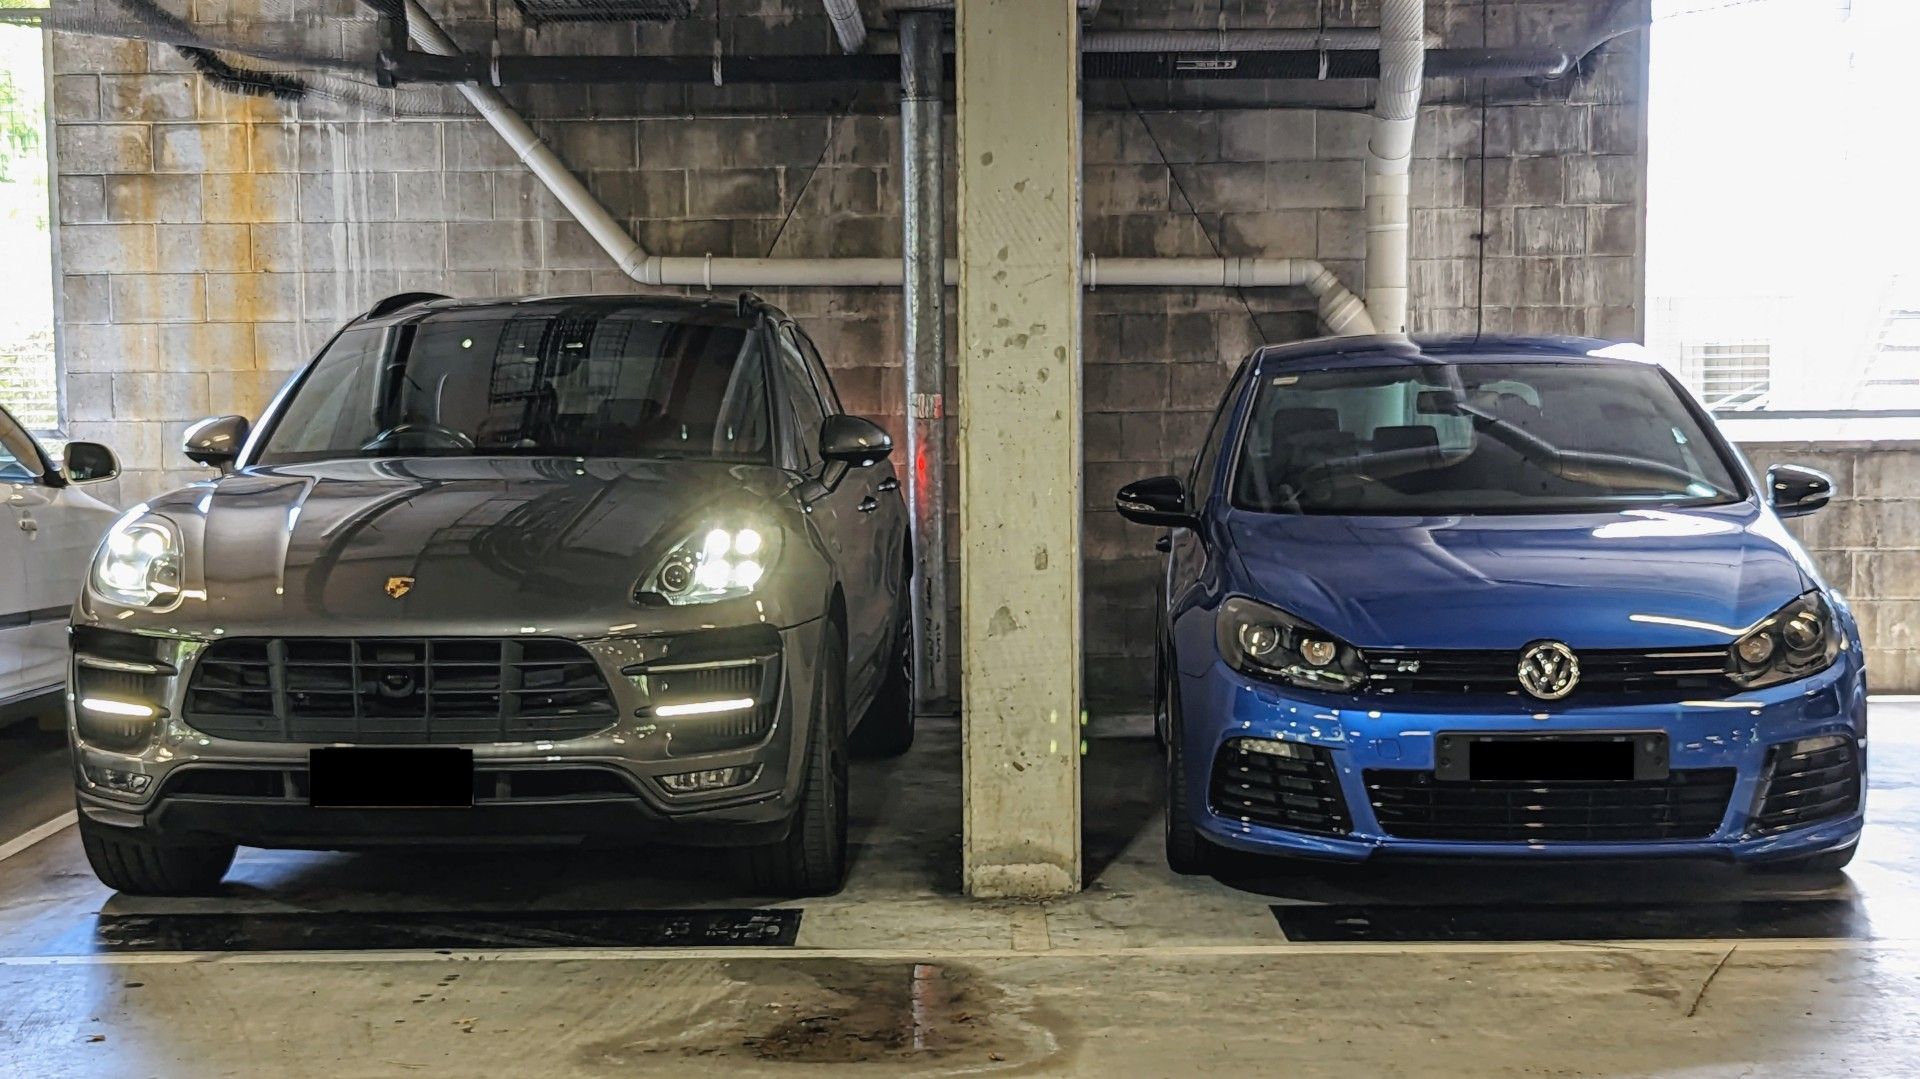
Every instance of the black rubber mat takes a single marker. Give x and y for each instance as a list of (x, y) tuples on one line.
[(1758, 919), (318, 931)]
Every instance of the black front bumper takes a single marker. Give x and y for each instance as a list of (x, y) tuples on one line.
[(294, 825)]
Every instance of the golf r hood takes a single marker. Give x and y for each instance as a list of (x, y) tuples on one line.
[(456, 546), (1632, 579)]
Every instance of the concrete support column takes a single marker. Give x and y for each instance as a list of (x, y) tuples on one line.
[(1020, 263)]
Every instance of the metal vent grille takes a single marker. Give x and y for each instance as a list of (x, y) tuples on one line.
[(539, 11), (1807, 785), (1298, 792), (757, 680), (1686, 805), (398, 691)]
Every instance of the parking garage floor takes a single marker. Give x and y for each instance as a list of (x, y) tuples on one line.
[(595, 962)]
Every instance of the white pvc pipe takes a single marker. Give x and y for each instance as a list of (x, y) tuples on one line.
[(539, 158), (848, 26), (1390, 162), (1340, 309)]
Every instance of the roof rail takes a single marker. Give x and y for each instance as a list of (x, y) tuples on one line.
[(750, 303), (400, 301)]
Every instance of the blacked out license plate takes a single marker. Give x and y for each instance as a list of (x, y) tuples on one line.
[(1574, 757), (378, 777)]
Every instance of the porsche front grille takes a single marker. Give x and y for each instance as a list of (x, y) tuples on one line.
[(397, 691)]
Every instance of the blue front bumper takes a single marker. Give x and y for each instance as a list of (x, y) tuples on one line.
[(1220, 705)]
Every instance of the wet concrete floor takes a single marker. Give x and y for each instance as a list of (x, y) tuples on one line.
[(1142, 974)]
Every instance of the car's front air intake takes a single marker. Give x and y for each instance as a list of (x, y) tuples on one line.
[(1280, 785), (397, 691), (1688, 804), (1811, 780)]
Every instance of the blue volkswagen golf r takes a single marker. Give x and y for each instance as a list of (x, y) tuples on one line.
[(1495, 598)]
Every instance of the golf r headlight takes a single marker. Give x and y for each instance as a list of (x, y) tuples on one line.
[(1800, 639), (1270, 643), (138, 564), (717, 562)]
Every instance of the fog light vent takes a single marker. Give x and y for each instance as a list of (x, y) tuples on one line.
[(116, 780), (1808, 781), (711, 779)]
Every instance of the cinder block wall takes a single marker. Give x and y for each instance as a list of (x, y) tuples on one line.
[(210, 243), (1867, 543)]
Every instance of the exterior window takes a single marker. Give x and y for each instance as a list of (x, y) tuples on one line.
[(29, 378), (1730, 376)]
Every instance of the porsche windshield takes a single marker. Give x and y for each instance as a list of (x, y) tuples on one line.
[(1444, 438), (593, 382)]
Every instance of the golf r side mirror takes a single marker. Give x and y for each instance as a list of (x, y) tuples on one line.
[(1160, 500), (1796, 491)]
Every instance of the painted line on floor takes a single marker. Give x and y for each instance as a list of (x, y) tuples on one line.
[(34, 835), (739, 955)]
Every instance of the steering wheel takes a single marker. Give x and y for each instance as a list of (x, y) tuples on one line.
[(419, 435)]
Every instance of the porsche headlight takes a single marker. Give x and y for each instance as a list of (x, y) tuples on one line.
[(138, 564), (720, 561), (1800, 639), (1267, 642)]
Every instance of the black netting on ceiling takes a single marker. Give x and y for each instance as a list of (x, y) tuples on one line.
[(542, 11)]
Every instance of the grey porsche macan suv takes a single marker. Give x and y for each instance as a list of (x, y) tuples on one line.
[(606, 569)]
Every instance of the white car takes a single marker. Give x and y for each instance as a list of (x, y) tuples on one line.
[(47, 537)]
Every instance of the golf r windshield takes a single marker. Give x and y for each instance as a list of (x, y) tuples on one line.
[(597, 382), (1485, 438)]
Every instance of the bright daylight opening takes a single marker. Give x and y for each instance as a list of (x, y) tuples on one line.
[(1761, 108), (28, 385)]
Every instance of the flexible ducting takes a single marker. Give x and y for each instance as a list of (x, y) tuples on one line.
[(848, 26), (1390, 161)]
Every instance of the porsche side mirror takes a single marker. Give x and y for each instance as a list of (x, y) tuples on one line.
[(1796, 491), (216, 442), (854, 441), (1161, 500)]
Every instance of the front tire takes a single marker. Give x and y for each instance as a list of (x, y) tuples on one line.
[(812, 859), (128, 861), (1188, 852), (887, 728)]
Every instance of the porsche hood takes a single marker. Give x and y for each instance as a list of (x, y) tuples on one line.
[(453, 546)]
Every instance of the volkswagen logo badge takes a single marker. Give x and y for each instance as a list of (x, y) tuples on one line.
[(1549, 670)]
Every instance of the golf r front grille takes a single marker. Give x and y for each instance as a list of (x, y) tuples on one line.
[(1688, 804), (1279, 785), (1807, 782), (398, 691), (1673, 672)]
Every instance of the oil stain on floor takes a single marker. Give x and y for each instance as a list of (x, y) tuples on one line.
[(836, 1012)]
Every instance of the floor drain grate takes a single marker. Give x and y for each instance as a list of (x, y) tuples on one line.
[(1755, 919), (326, 931)]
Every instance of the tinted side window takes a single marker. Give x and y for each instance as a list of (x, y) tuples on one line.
[(829, 396), (808, 411), (334, 406), (1200, 479)]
